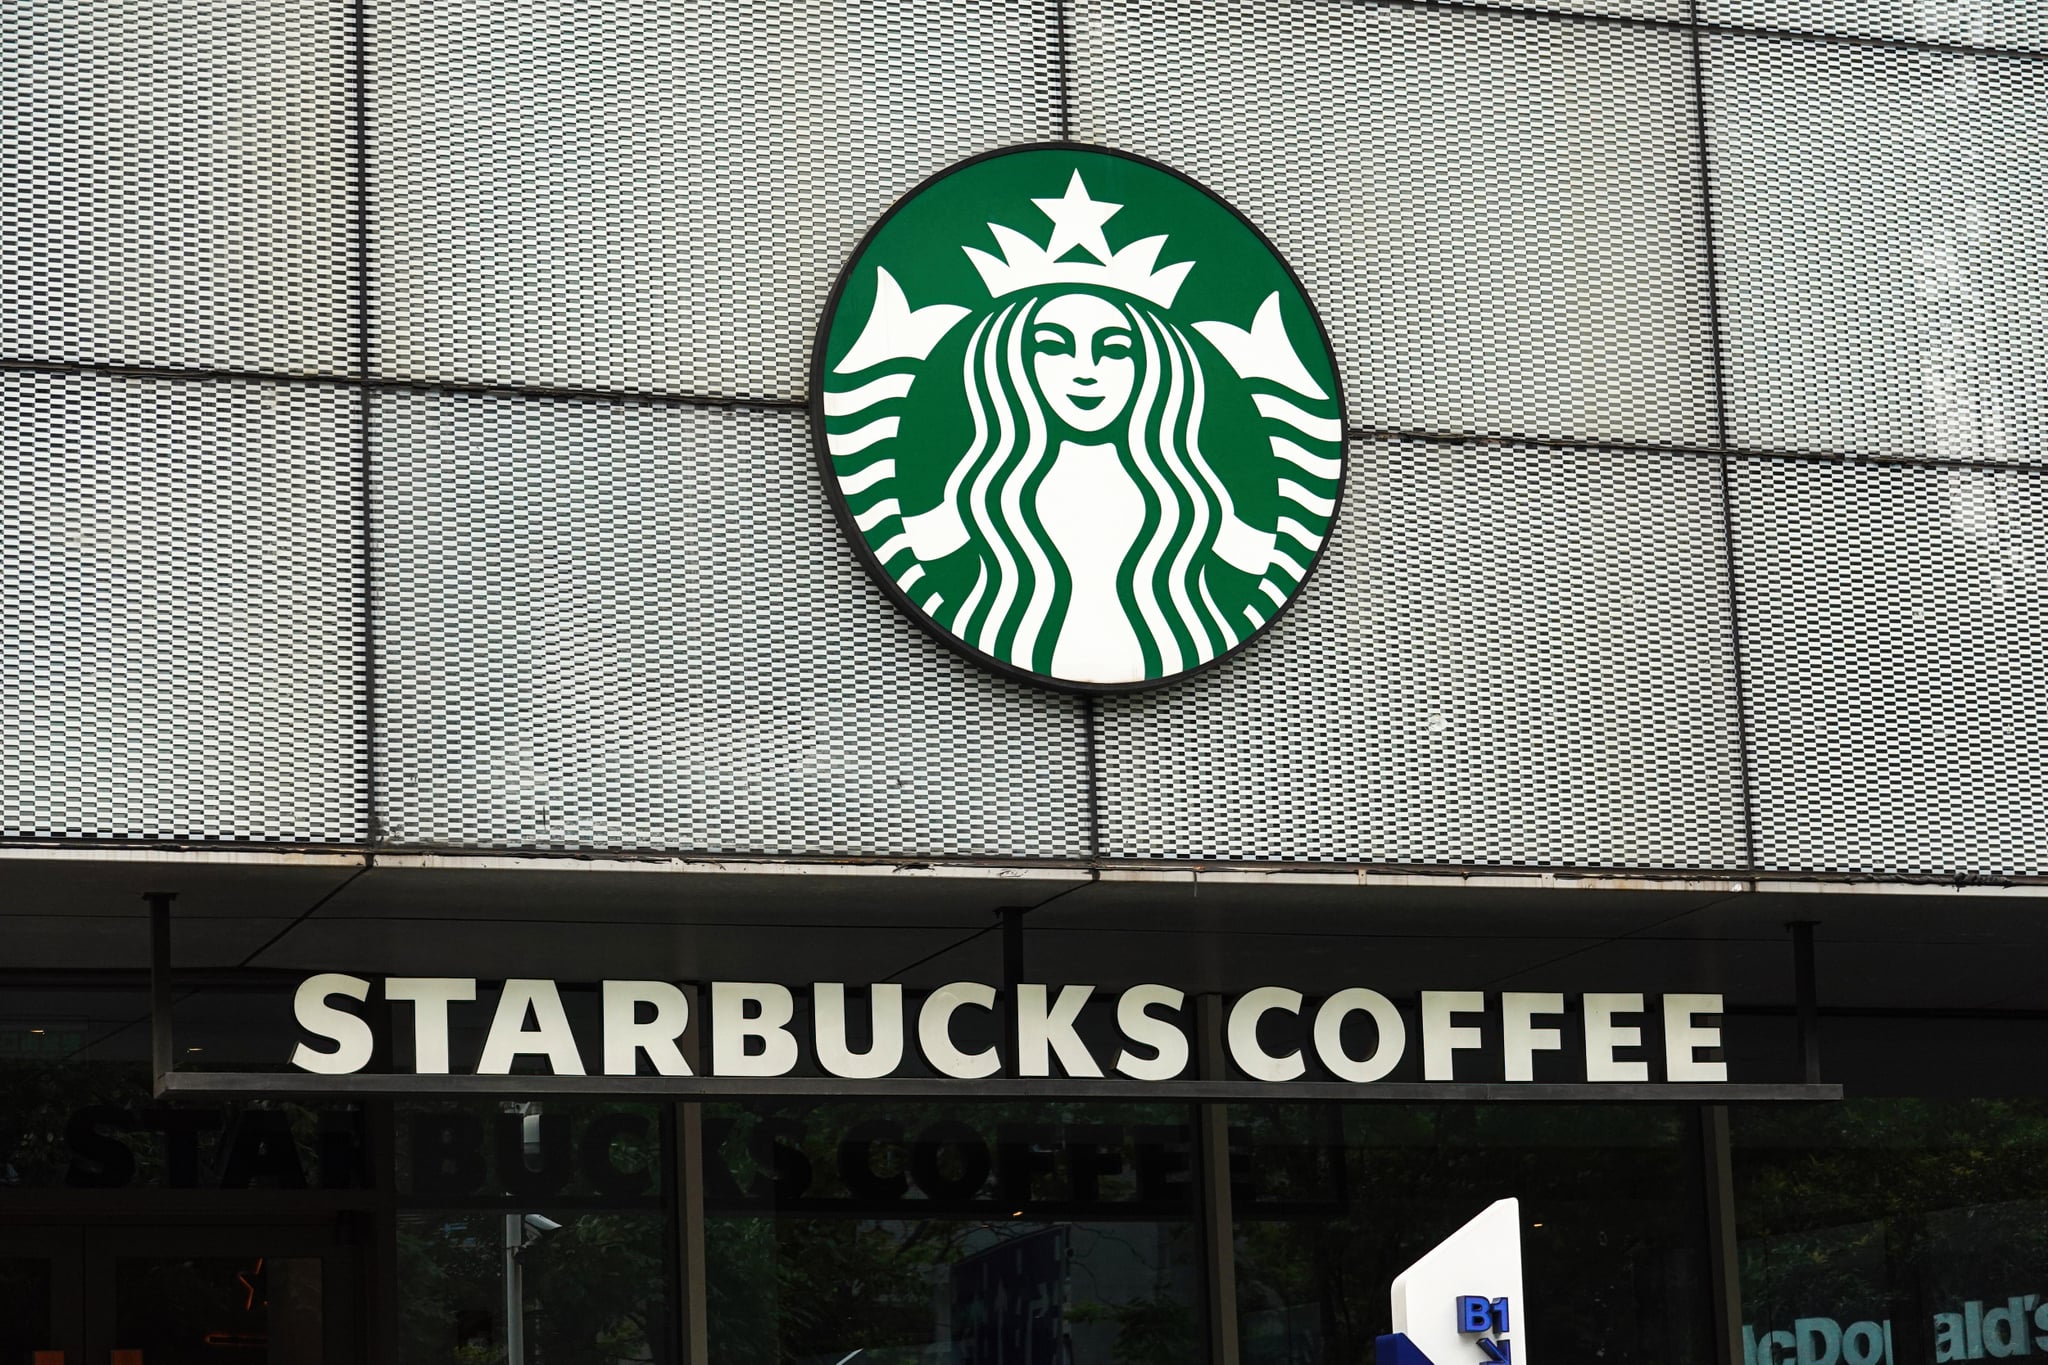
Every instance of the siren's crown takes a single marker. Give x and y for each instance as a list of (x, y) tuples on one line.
[(1077, 221)]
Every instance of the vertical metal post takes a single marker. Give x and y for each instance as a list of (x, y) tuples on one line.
[(1807, 993), (160, 998), (515, 1289), (381, 1307), (1218, 1224), (1013, 977), (1724, 1267), (686, 1184)]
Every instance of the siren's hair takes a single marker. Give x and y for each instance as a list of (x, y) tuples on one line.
[(1021, 585)]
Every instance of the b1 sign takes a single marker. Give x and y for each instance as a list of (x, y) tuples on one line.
[(1462, 1302)]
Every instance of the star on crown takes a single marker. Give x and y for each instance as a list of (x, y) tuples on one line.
[(1077, 220)]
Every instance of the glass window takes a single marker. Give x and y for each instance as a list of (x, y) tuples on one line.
[(1892, 1231), (27, 1290), (1333, 1203), (186, 1310), (894, 1234), (582, 1286), (535, 1222)]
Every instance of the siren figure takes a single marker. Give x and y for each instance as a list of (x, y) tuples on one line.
[(1096, 532), (1087, 409), (1087, 412)]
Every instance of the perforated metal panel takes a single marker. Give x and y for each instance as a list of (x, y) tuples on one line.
[(1883, 251), (1498, 214), (177, 187), (1510, 655), (1896, 628), (638, 627), (179, 611), (1973, 23), (655, 195)]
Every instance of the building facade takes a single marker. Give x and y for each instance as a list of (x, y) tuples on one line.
[(417, 568)]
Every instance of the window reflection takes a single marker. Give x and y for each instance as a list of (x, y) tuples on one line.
[(1880, 1231), (585, 1287), (181, 1310), (1332, 1203), (948, 1233)]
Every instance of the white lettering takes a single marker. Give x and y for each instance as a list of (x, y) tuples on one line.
[(1817, 1335), (885, 1011), (1948, 1338), (1042, 1031), (1519, 1034), (1863, 1344), (351, 1036), (935, 1031), (732, 1025), (550, 1037), (1168, 1043), (1242, 1033), (1329, 1033), (1684, 1039), (1441, 1040), (430, 997), (1604, 1036), (1820, 1341), (625, 1037), (2005, 1330), (753, 1034)]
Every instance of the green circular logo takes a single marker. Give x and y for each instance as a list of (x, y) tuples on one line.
[(1078, 417)]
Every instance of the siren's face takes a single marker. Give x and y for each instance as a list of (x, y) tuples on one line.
[(1081, 360)]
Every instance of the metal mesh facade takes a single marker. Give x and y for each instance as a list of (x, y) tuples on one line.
[(2014, 24), (1498, 215), (178, 184), (1883, 253), (1509, 655), (179, 657), (1899, 671), (399, 409), (636, 627), (657, 196)]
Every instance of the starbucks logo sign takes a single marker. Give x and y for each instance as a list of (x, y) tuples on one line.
[(1078, 417)]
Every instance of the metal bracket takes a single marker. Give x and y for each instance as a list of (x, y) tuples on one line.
[(160, 997), (1013, 980), (1806, 993)]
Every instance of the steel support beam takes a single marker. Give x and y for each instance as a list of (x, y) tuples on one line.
[(1722, 1263), (693, 1308), (228, 1083), (1806, 992), (1219, 1220)]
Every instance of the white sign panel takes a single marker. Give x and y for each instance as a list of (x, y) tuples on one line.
[(1463, 1302)]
